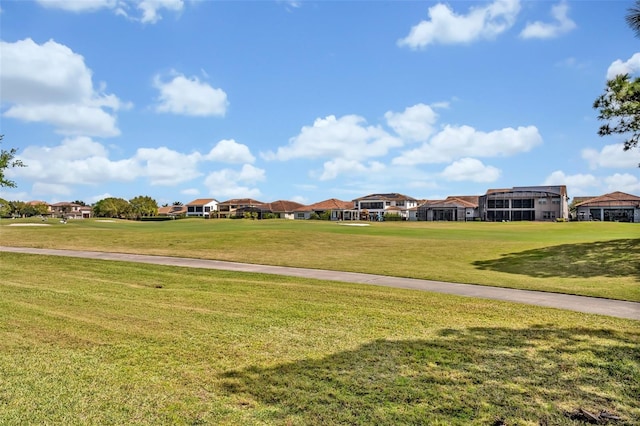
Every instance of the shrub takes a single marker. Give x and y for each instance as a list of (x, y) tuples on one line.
[(392, 217)]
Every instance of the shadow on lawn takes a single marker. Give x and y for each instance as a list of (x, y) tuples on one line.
[(475, 375), (614, 258)]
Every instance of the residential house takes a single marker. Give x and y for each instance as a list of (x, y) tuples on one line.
[(66, 210), (337, 209), (614, 207), (374, 206), (525, 203), (238, 206), (282, 209), (202, 207), (453, 208)]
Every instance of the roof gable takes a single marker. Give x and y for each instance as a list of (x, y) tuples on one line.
[(612, 199), (330, 204)]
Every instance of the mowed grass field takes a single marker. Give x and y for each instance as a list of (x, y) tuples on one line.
[(101, 342), (593, 259)]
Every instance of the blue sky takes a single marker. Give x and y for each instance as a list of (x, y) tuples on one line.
[(309, 100)]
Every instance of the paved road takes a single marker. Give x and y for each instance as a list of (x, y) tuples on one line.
[(591, 305)]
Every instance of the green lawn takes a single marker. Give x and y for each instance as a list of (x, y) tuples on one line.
[(100, 342), (593, 259)]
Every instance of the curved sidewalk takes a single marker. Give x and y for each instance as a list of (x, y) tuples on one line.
[(591, 305)]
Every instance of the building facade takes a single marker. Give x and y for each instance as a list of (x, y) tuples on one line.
[(613, 207), (534, 203)]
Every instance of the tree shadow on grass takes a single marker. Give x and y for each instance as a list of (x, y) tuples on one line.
[(468, 376), (616, 258)]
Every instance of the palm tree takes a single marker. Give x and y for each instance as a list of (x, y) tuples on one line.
[(633, 18)]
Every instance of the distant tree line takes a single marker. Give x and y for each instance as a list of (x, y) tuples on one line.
[(136, 208)]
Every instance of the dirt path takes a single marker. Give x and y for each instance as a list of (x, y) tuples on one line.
[(591, 305)]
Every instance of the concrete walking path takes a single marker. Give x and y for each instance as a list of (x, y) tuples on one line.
[(591, 305)]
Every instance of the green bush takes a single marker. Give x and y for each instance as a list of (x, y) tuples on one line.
[(392, 217)]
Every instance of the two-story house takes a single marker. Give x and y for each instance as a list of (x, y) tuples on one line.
[(374, 206), (202, 207)]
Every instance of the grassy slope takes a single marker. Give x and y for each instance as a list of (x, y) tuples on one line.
[(595, 259), (94, 342)]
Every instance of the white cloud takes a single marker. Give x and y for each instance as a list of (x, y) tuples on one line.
[(340, 166), (446, 27), (50, 83), (190, 96), (96, 198), (79, 5), (612, 156), (235, 184), (415, 123), (345, 137), (578, 184), (68, 119), (630, 66), (465, 141), (470, 169), (623, 182), (164, 166), (75, 161), (562, 24), (149, 9), (229, 151)]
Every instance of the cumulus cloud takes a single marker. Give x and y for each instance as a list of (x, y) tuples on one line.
[(83, 161), (470, 169), (578, 184), (612, 156), (230, 151), (341, 166), (346, 137), (150, 10), (164, 166), (562, 24), (446, 27), (623, 182), (229, 183), (50, 83), (189, 96), (75, 161), (414, 123), (630, 66), (464, 141)]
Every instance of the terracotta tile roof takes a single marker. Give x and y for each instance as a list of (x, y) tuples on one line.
[(452, 202), (472, 199), (37, 202), (330, 204), (282, 206), (201, 201), (614, 199), (172, 210), (578, 200)]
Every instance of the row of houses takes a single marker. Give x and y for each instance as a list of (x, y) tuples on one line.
[(528, 203)]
